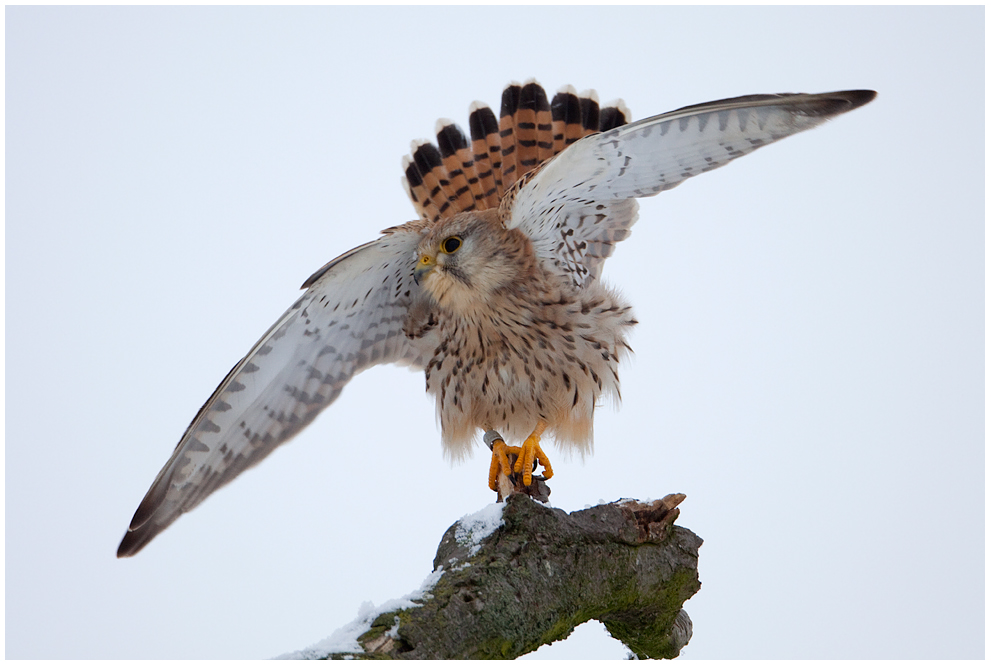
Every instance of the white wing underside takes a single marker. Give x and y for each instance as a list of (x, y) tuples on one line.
[(349, 319), (580, 203)]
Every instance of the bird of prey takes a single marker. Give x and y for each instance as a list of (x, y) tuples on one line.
[(494, 292)]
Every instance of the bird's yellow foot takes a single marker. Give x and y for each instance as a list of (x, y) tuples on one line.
[(500, 460), (529, 451)]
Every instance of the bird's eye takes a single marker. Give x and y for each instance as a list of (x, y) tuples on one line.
[(451, 245)]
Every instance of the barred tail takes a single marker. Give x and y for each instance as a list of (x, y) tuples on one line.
[(456, 175)]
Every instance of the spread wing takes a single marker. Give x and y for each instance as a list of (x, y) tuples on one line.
[(350, 318), (579, 204)]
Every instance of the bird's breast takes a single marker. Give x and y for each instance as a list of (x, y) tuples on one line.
[(510, 368)]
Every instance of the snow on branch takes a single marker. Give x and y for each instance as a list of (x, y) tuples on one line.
[(519, 575)]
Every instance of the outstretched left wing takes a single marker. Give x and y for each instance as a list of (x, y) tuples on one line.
[(578, 204), (350, 318)]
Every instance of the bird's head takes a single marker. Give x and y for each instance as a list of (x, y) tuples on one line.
[(467, 258)]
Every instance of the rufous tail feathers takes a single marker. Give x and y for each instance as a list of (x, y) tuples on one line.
[(456, 175)]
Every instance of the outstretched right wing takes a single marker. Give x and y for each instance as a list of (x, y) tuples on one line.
[(578, 204), (350, 318)]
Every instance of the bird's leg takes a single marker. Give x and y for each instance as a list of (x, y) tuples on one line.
[(500, 459), (530, 450)]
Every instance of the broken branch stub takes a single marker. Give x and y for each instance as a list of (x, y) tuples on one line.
[(542, 573)]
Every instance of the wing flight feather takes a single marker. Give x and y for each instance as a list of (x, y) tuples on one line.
[(577, 204), (350, 318)]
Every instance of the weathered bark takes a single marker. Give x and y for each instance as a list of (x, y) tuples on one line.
[(544, 572)]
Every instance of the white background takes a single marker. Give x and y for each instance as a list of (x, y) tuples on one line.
[(809, 365)]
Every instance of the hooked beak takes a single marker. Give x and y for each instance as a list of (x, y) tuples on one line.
[(423, 266)]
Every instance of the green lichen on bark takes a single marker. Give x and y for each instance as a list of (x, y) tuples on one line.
[(544, 572)]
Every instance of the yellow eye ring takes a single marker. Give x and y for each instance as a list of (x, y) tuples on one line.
[(450, 245)]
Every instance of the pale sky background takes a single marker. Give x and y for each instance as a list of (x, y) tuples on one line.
[(809, 363)]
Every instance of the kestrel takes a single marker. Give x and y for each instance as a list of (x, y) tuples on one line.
[(495, 292)]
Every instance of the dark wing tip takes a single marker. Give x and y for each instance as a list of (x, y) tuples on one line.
[(858, 98), (833, 104), (143, 528), (134, 541), (126, 547)]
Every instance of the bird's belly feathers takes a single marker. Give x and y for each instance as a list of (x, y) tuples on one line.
[(507, 373)]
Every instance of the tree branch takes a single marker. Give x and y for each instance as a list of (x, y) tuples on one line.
[(542, 573)]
